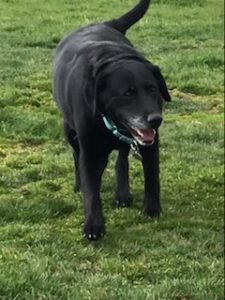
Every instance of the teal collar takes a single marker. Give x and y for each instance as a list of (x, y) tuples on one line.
[(111, 126)]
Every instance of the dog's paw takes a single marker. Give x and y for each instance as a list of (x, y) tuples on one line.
[(153, 212), (93, 230), (123, 201)]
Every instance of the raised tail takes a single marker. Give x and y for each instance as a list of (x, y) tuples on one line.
[(123, 23)]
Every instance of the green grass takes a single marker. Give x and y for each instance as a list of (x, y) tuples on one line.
[(42, 252)]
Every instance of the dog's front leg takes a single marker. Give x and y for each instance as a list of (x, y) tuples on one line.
[(123, 197), (150, 163), (91, 166)]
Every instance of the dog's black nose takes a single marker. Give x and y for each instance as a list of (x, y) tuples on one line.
[(154, 121)]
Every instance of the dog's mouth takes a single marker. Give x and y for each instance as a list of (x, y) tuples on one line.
[(144, 137)]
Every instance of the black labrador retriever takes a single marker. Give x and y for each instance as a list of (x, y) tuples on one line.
[(111, 97)]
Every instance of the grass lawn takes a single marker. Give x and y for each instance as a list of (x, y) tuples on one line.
[(42, 252)]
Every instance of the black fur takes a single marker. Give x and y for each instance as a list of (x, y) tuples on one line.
[(98, 71)]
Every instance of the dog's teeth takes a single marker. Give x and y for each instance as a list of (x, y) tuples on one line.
[(94, 236), (140, 133), (89, 236)]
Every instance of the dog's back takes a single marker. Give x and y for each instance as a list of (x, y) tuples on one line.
[(111, 31), (91, 39)]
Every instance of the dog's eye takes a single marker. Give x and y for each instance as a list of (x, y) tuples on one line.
[(150, 88), (129, 92)]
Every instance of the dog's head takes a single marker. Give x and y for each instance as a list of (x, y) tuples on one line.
[(132, 93)]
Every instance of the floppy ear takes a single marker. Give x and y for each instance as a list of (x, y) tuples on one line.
[(92, 90), (162, 83), (99, 86)]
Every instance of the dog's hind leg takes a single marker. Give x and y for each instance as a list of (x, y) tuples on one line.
[(123, 197), (76, 165), (73, 141)]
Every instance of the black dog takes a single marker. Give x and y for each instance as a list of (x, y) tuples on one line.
[(111, 97)]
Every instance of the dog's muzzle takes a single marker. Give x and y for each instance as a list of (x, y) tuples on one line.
[(145, 132)]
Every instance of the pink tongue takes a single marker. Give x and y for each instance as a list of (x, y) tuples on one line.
[(147, 135)]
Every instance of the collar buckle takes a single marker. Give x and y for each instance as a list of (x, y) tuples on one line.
[(135, 150)]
